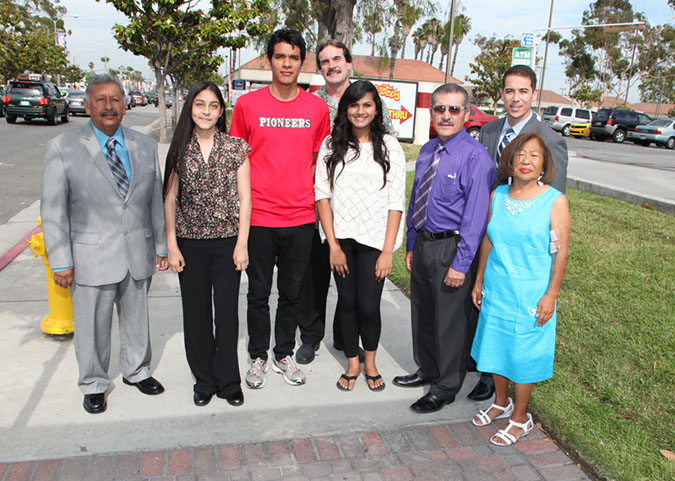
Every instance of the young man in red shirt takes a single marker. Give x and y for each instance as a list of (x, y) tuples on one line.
[(284, 125)]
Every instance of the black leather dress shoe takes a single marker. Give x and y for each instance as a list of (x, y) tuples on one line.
[(306, 353), (429, 403), (94, 403), (202, 398), (482, 391), (234, 399), (150, 386), (410, 380)]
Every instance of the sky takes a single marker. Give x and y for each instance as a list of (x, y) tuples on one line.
[(92, 36)]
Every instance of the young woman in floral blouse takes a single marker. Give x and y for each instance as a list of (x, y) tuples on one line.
[(207, 206)]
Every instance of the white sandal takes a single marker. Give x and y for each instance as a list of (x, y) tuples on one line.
[(485, 419), (509, 438)]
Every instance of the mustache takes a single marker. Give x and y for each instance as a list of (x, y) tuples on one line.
[(446, 122), (334, 70), (109, 112)]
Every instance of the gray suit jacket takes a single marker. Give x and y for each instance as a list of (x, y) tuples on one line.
[(489, 137), (86, 222)]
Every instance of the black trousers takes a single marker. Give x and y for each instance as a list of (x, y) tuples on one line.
[(288, 248), (210, 280), (440, 316), (312, 322), (359, 294)]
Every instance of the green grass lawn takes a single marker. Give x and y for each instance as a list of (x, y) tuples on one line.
[(612, 396)]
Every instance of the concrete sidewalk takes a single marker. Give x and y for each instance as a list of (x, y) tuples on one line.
[(307, 432)]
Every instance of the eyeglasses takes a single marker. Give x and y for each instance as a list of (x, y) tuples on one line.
[(453, 110)]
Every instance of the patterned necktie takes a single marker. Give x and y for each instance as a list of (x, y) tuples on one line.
[(508, 137), (117, 168), (419, 217)]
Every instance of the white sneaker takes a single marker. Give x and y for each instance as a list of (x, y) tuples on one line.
[(255, 377), (286, 367)]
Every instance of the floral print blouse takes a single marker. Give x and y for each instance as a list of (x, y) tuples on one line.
[(208, 203)]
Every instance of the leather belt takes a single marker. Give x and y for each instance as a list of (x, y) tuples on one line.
[(440, 235)]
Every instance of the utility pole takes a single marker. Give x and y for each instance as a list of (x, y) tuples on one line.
[(453, 6), (543, 70)]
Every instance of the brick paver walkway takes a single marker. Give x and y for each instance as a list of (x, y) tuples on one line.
[(443, 452)]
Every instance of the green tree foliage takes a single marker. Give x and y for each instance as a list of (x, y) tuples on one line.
[(27, 40), (170, 33), (490, 64), (611, 62)]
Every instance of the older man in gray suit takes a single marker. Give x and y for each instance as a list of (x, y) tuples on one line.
[(518, 91), (103, 221)]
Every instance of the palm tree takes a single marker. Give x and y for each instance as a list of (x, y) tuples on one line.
[(433, 32), (462, 28), (420, 41)]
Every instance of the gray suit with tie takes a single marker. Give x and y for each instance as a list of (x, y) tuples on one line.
[(490, 135), (112, 243)]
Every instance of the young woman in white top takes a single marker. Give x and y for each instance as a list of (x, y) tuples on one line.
[(360, 197)]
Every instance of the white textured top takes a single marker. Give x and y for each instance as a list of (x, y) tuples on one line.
[(360, 205)]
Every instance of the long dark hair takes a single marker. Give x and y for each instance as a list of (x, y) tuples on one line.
[(183, 133), (342, 136)]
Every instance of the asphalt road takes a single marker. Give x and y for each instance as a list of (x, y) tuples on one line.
[(653, 157), (22, 151)]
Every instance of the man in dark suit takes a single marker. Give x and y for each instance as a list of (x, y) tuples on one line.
[(103, 221), (518, 91)]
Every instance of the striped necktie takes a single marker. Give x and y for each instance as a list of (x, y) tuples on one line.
[(117, 168), (508, 137), (419, 217)]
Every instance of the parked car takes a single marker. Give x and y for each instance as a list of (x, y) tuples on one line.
[(168, 100), (75, 99), (2, 101), (661, 132), (561, 119), (580, 130), (477, 118), (138, 97), (154, 98), (34, 99), (616, 123)]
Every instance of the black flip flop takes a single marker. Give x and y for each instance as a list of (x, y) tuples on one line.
[(374, 378), (346, 378)]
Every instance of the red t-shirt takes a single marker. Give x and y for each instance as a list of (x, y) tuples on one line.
[(283, 137)]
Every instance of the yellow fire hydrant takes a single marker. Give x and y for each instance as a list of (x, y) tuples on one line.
[(60, 318)]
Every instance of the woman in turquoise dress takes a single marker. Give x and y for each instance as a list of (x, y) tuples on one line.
[(522, 261)]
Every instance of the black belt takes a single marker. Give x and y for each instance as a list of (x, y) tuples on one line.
[(440, 235)]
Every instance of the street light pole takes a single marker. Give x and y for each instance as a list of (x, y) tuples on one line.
[(611, 27)]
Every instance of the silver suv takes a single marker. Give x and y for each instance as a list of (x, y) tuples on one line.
[(560, 118)]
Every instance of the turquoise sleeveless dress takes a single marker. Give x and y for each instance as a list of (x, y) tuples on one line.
[(508, 342)]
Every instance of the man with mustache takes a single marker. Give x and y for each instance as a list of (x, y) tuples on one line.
[(103, 221), (334, 62), (446, 221), (518, 92)]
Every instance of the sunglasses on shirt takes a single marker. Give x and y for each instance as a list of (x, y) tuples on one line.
[(452, 109)]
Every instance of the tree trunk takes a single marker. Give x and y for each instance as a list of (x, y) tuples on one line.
[(159, 79), (344, 21), (454, 59)]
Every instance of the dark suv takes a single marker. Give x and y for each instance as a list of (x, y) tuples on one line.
[(615, 123), (34, 99)]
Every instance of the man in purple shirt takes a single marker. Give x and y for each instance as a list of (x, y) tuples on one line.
[(446, 221)]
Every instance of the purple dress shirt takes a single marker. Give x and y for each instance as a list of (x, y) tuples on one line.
[(460, 194)]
